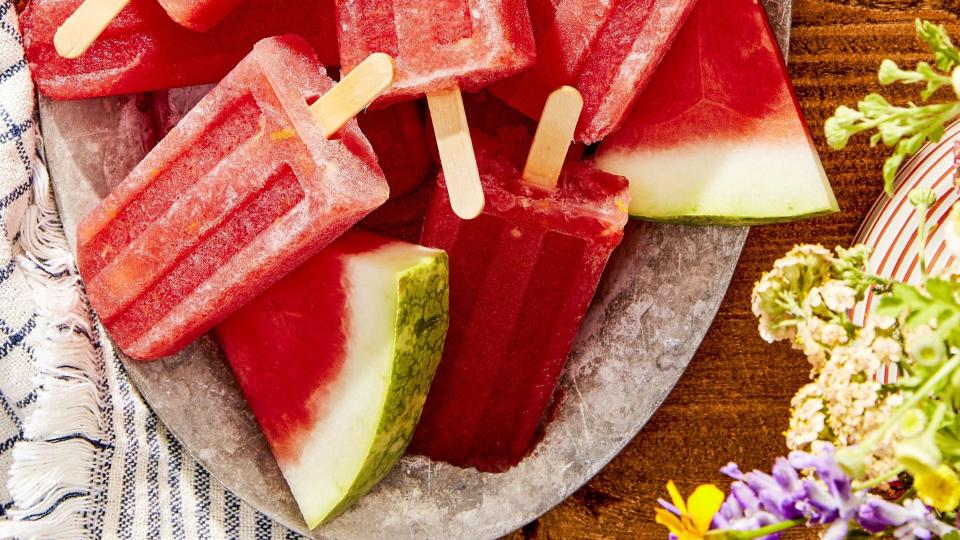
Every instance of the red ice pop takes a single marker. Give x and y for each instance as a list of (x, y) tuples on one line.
[(399, 138), (607, 49), (439, 44), (401, 218), (441, 47), (92, 17), (396, 133), (142, 49), (521, 278), (199, 15), (245, 188)]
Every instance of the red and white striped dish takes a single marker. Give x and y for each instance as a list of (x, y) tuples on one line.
[(891, 226)]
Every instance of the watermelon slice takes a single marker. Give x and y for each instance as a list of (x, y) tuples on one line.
[(718, 135), (335, 361)]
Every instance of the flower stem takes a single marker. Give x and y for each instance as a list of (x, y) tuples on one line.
[(938, 414), (874, 482), (757, 533), (853, 456), (922, 239), (919, 395)]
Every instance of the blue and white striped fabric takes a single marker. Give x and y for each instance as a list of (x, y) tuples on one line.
[(17, 314), (81, 455)]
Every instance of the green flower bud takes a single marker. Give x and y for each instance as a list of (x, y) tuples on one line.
[(923, 197), (836, 133), (927, 350), (913, 423), (853, 461), (873, 105), (889, 72), (918, 454)]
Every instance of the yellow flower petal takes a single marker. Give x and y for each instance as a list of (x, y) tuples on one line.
[(703, 504), (669, 521), (939, 488), (675, 497)]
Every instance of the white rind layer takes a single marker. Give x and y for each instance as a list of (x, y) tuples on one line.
[(348, 411), (738, 181)]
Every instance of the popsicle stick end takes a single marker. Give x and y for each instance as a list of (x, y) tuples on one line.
[(355, 91), (85, 25), (468, 208), (554, 135), (68, 44), (456, 152)]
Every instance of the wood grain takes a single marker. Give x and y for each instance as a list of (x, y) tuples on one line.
[(733, 402)]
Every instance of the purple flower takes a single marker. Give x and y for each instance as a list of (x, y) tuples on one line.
[(912, 519), (824, 498), (829, 498), (758, 499)]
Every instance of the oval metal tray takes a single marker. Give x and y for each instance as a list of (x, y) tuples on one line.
[(653, 308)]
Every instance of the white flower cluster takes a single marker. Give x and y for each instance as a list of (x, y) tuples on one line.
[(805, 299), (778, 296), (845, 402)]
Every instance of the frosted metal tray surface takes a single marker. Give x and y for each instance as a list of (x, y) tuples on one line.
[(652, 310)]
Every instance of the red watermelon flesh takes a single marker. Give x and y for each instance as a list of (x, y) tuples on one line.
[(718, 134)]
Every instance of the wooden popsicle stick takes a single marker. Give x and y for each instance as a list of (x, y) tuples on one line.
[(85, 25), (554, 135), (456, 152), (354, 92)]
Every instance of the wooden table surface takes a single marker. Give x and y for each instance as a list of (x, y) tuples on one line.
[(732, 404)]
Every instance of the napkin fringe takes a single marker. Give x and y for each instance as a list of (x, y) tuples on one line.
[(52, 476)]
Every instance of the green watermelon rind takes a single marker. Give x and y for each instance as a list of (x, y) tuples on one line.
[(421, 328)]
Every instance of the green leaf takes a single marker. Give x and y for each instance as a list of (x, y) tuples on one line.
[(837, 134), (909, 127), (913, 144), (890, 306), (937, 38), (940, 289), (889, 72), (890, 168), (873, 104), (926, 315), (936, 133)]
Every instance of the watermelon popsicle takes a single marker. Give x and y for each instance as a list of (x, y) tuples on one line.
[(199, 15), (92, 17), (607, 49), (247, 186), (442, 47), (143, 50), (399, 138), (521, 278), (335, 361)]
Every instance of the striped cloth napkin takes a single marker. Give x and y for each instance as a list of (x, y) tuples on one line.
[(81, 454)]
